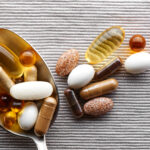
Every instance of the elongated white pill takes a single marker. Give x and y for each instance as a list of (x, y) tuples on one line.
[(32, 90)]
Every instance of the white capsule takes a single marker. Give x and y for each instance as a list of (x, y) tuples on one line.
[(81, 76), (32, 90), (28, 116), (138, 63)]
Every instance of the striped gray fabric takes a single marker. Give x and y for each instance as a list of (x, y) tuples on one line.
[(54, 26)]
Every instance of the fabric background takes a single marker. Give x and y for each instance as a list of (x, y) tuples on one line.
[(54, 26)]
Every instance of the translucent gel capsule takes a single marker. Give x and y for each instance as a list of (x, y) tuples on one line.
[(10, 62), (137, 43), (17, 105), (9, 119), (13, 41), (106, 43), (5, 102), (27, 58)]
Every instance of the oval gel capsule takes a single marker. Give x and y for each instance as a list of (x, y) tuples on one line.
[(10, 62), (32, 90)]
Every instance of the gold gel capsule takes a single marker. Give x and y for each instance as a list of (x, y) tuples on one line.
[(99, 88), (13, 41), (10, 62), (45, 116), (106, 43), (30, 74), (9, 119), (108, 69)]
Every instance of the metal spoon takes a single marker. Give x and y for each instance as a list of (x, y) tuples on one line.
[(17, 44)]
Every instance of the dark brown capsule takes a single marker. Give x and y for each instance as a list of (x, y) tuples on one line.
[(74, 103), (108, 69)]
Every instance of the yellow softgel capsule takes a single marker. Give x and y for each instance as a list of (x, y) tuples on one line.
[(106, 43), (9, 119), (10, 62)]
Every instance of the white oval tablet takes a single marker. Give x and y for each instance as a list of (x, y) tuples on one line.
[(32, 90), (138, 63), (81, 76), (28, 116)]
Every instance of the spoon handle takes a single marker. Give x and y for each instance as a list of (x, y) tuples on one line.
[(40, 143)]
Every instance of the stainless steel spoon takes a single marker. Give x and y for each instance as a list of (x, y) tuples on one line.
[(17, 44)]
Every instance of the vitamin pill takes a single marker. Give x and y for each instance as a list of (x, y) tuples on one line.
[(137, 43), (74, 103), (5, 81), (10, 62), (30, 74), (32, 90), (80, 76), (108, 69), (28, 116), (107, 42), (45, 116), (13, 41), (9, 119), (27, 58), (98, 106), (137, 63), (5, 102), (98, 89), (67, 62), (17, 105)]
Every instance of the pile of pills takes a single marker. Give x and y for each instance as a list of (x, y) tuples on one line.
[(88, 85), (20, 91)]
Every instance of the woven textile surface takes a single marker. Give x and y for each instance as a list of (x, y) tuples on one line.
[(54, 26)]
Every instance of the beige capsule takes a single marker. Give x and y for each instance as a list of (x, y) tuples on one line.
[(5, 81), (30, 74), (99, 88), (45, 116)]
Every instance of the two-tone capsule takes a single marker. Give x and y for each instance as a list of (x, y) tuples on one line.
[(74, 103)]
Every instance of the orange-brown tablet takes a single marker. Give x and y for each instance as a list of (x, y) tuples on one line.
[(45, 116), (99, 88)]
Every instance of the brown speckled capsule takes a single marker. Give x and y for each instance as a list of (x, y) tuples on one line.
[(108, 69), (45, 116), (99, 88), (74, 103)]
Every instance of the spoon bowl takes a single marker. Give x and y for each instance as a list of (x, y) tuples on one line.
[(17, 45)]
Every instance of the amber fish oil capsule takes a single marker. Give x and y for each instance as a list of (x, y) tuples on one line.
[(27, 58), (99, 88), (74, 103), (109, 68), (10, 62), (9, 119), (45, 116)]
